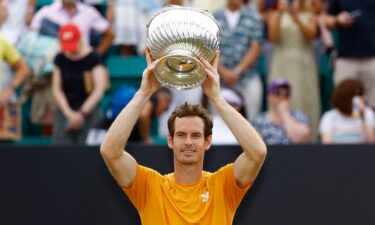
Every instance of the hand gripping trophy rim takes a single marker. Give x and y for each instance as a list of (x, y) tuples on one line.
[(177, 35)]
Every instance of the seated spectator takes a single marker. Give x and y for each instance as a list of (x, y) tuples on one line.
[(351, 121), (87, 18), (222, 135), (76, 66), (146, 129), (157, 105), (279, 124)]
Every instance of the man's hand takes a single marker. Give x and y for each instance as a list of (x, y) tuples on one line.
[(211, 86), (149, 83)]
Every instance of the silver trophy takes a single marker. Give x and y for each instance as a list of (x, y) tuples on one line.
[(178, 35)]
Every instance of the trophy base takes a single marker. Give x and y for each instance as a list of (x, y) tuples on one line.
[(181, 72)]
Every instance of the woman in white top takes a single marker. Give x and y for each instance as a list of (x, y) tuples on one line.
[(351, 121)]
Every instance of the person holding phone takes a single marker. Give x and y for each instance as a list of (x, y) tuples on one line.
[(351, 120), (291, 29), (356, 49)]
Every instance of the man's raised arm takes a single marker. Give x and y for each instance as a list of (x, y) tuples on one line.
[(248, 164), (121, 164)]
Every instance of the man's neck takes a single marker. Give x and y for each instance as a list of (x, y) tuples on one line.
[(187, 174)]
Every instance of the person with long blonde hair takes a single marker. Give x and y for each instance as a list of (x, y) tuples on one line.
[(291, 29)]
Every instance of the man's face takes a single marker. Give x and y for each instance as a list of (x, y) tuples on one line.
[(188, 142)]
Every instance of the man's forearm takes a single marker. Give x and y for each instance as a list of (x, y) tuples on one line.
[(246, 135), (120, 130)]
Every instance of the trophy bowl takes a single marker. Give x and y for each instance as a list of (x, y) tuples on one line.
[(177, 35)]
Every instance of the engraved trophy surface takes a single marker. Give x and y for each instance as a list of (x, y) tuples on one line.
[(178, 35)]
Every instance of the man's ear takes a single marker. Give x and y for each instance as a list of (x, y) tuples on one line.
[(170, 141), (208, 142)]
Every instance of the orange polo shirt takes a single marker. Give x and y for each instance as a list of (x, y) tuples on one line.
[(160, 200)]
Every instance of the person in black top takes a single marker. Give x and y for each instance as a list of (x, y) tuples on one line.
[(77, 69), (354, 21)]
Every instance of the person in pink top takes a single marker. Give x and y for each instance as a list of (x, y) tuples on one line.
[(86, 17)]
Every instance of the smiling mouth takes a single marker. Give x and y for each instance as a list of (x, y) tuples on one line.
[(188, 151)]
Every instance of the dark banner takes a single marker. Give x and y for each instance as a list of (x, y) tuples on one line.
[(298, 185)]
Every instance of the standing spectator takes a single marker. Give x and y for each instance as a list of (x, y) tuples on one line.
[(356, 42), (130, 18), (86, 17), (351, 121), (19, 13), (9, 84), (279, 124), (240, 49), (292, 28), (77, 110)]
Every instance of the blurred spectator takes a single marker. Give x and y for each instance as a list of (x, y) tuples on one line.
[(146, 128), (130, 18), (9, 84), (279, 124), (292, 28), (157, 105), (210, 5), (19, 13), (221, 132), (351, 121), (240, 49), (87, 18), (76, 66), (356, 45)]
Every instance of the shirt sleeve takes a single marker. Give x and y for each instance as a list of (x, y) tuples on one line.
[(233, 192), (325, 123), (99, 23), (94, 60), (36, 22), (139, 192), (370, 117), (11, 55), (57, 60)]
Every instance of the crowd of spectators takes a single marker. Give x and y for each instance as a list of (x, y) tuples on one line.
[(282, 100)]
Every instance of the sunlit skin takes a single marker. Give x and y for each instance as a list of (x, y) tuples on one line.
[(188, 142)]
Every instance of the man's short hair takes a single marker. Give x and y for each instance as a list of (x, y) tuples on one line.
[(191, 110)]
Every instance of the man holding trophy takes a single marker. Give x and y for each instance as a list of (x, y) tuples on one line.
[(189, 195)]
